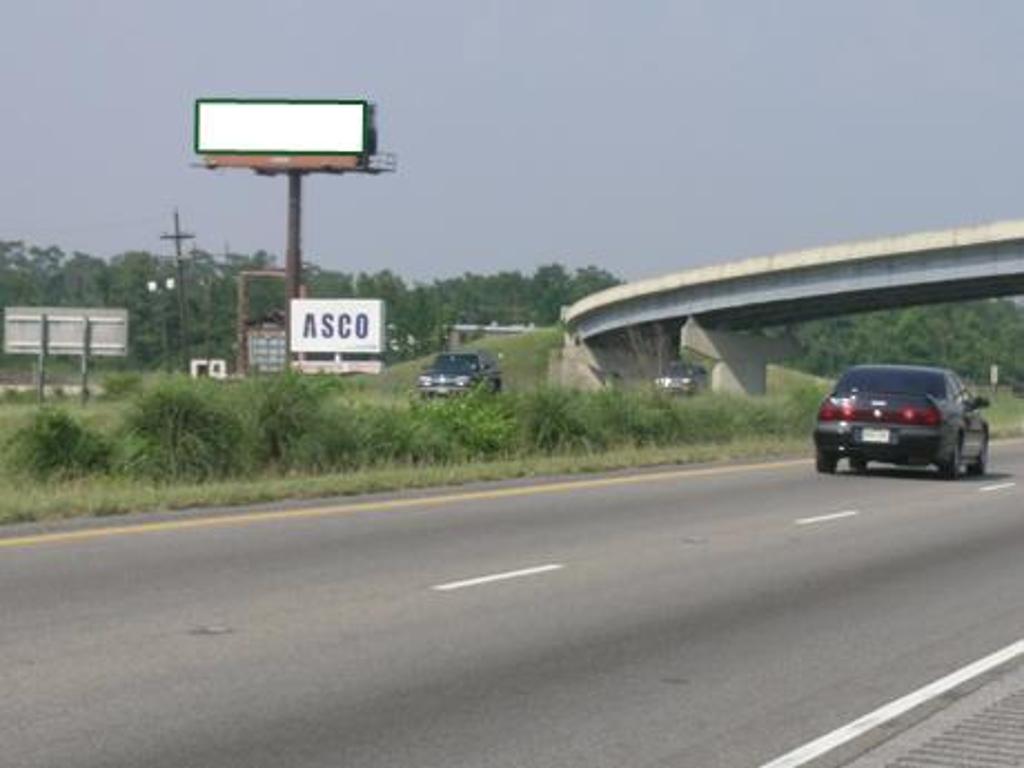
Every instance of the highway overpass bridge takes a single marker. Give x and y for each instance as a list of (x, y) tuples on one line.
[(630, 331)]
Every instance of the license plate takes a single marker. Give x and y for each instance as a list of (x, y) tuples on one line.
[(874, 436)]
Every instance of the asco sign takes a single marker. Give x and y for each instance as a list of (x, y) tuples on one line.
[(337, 325)]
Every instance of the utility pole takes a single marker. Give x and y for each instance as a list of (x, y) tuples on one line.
[(178, 237)]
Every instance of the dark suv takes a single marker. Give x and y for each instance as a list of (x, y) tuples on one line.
[(908, 415), (457, 372)]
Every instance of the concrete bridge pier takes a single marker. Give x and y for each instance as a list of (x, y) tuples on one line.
[(628, 356), (742, 358)]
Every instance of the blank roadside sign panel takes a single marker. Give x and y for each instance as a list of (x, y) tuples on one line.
[(255, 127), (66, 330), (337, 325)]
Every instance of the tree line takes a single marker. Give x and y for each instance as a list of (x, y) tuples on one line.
[(968, 337), (419, 314)]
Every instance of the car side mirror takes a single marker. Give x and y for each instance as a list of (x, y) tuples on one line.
[(979, 402)]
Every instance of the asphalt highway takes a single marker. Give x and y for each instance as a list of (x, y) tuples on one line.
[(712, 617)]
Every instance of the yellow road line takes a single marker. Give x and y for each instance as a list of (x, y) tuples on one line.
[(391, 504)]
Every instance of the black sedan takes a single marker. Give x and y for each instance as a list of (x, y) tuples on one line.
[(906, 415)]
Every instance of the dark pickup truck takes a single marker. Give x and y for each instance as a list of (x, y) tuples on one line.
[(453, 373)]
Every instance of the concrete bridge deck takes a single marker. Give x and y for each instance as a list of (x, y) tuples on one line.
[(628, 330)]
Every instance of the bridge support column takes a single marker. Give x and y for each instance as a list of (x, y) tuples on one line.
[(742, 358), (631, 356)]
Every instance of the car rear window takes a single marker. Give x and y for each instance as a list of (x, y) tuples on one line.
[(456, 363), (893, 381), (683, 369)]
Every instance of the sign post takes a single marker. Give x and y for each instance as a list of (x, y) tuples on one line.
[(44, 338), (86, 341)]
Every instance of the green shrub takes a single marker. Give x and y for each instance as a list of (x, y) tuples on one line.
[(333, 443), (477, 425), (553, 419), (122, 384), (54, 444), (633, 417), (404, 435), (182, 430), (286, 411)]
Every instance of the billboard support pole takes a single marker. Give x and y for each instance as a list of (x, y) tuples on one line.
[(293, 255), (44, 342), (86, 342)]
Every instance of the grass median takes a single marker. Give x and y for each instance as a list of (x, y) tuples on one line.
[(105, 496), (180, 444)]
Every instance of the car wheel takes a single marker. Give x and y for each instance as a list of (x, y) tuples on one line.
[(979, 466), (859, 466), (951, 468), (826, 463)]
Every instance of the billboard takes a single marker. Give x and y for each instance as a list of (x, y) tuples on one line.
[(337, 325), (269, 127), (66, 331)]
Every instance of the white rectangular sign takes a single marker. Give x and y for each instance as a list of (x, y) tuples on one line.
[(66, 330), (279, 127), (339, 367), (337, 325)]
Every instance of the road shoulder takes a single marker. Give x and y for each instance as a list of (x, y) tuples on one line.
[(982, 725)]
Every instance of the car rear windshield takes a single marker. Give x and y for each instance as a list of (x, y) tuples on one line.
[(455, 363), (683, 369), (892, 381)]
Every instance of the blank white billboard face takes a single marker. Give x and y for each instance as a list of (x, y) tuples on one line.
[(280, 127), (337, 325)]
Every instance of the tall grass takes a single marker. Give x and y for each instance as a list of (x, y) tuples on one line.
[(56, 445), (284, 411), (182, 429), (176, 429)]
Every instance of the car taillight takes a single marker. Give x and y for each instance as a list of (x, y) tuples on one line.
[(928, 417), (830, 411)]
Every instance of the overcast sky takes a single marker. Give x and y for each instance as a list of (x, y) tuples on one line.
[(643, 137)]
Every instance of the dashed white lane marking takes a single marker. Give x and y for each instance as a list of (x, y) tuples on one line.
[(884, 714), (497, 577), (996, 487), (827, 518)]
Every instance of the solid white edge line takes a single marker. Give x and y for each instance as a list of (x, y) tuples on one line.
[(497, 577), (826, 518), (996, 487), (847, 733)]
